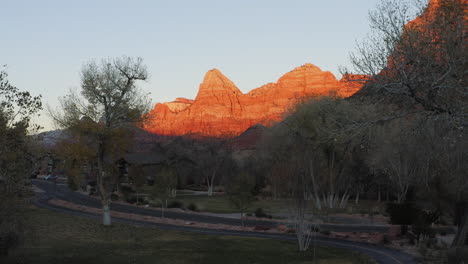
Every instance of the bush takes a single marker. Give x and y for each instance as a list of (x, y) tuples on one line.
[(175, 204), (72, 184), (114, 197), (155, 203), (260, 213), (386, 239), (192, 207), (401, 214), (130, 199), (8, 241)]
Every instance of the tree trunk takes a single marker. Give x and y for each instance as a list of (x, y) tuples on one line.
[(163, 205), (344, 200), (356, 201), (103, 183), (462, 232), (242, 218), (106, 213), (379, 195), (210, 190), (318, 203), (388, 194)]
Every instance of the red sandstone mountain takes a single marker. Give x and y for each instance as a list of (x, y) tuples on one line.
[(222, 110)]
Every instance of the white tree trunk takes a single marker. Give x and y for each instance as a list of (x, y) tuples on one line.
[(106, 214), (210, 189), (462, 231), (344, 200), (318, 203), (356, 201)]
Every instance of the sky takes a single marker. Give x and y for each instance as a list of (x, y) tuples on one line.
[(45, 43)]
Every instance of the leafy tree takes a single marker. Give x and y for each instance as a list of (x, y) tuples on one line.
[(16, 159), (108, 107), (164, 184), (77, 152), (240, 192)]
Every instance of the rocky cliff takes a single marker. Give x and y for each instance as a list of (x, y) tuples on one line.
[(220, 109)]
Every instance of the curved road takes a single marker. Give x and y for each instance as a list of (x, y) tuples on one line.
[(381, 254)]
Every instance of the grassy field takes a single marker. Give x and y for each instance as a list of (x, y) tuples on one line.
[(220, 204), (58, 238)]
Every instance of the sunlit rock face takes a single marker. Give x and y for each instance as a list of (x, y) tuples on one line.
[(222, 110)]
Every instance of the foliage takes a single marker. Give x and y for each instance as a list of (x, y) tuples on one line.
[(240, 192), (401, 214), (138, 178), (105, 113), (192, 207), (317, 140), (17, 107), (16, 159), (260, 213), (164, 183), (175, 204)]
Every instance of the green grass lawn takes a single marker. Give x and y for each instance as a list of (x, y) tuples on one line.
[(220, 204), (58, 238)]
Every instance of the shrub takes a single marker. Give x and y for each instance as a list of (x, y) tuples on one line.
[(72, 184), (260, 213), (386, 239), (401, 214), (192, 207), (114, 197), (155, 203), (130, 199), (175, 204)]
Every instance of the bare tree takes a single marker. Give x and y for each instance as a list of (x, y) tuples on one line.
[(209, 156), (396, 156), (301, 205), (422, 61), (443, 157), (326, 131), (111, 104)]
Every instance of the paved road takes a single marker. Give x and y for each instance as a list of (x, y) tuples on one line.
[(381, 254), (63, 193)]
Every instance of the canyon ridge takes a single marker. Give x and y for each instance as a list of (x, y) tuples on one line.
[(220, 109)]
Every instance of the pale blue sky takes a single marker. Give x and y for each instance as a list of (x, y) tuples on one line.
[(45, 43)]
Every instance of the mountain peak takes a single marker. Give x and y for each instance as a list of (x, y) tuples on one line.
[(222, 110), (216, 82), (308, 67), (214, 74)]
